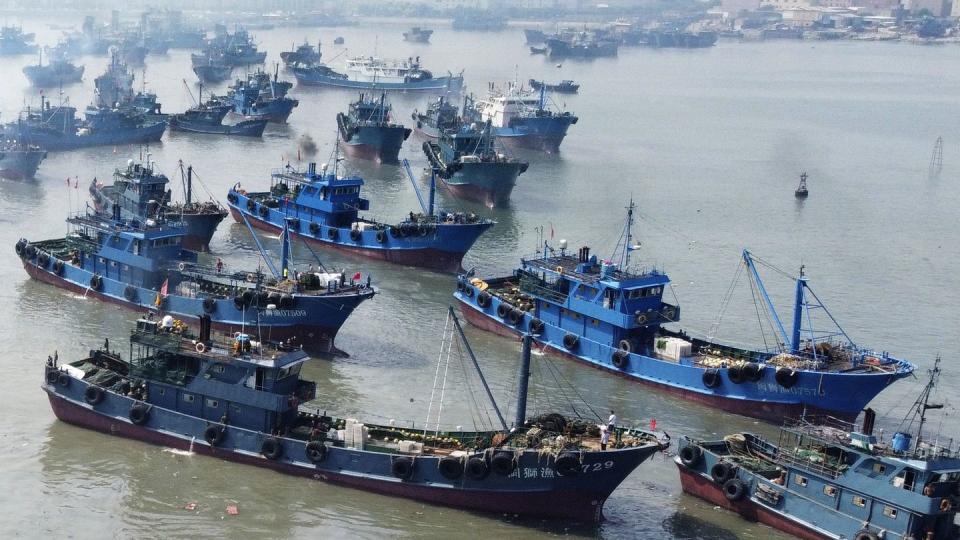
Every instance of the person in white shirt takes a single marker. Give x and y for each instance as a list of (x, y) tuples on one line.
[(604, 437), (612, 421)]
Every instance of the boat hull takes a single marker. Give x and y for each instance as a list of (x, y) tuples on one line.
[(200, 228), (543, 134), (530, 490), (443, 251), (487, 183), (439, 84), (245, 128), (313, 322), (380, 144), (55, 140), (20, 164), (703, 487), (815, 394)]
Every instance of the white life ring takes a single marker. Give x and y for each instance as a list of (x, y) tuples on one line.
[(201, 347), (182, 266)]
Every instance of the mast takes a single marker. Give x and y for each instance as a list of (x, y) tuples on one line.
[(189, 184), (523, 382), (628, 237), (923, 402), (748, 259), (476, 365), (798, 312), (433, 190), (284, 250)]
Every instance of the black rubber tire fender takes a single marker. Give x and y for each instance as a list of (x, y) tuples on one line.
[(271, 448), (711, 378), (536, 326), (402, 467), (691, 455), (139, 414), (316, 451), (503, 462), (450, 468), (621, 359), (567, 464), (721, 472), (209, 305), (736, 374), (734, 489), (214, 434), (570, 341), (93, 395), (477, 468)]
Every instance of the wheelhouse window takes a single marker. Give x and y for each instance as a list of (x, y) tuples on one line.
[(890, 512), (188, 398), (830, 491), (879, 468), (800, 480), (905, 479), (859, 501)]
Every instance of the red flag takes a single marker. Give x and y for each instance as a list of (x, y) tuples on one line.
[(356, 277), (163, 288)]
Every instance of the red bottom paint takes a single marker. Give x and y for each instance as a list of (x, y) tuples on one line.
[(572, 505), (700, 486), (434, 259), (772, 412), (313, 338)]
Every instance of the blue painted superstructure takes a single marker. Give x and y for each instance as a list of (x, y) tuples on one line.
[(608, 316), (833, 480), (367, 130), (470, 164), (141, 264), (324, 209), (243, 400), (138, 189), (262, 99), (441, 115)]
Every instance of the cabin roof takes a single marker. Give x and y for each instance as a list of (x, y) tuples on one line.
[(619, 279)]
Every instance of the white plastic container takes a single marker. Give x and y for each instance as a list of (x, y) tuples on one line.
[(672, 349), (411, 447)]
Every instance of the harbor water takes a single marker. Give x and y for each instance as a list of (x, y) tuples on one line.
[(709, 143)]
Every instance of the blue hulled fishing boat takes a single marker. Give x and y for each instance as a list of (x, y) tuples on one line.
[(440, 116), (261, 97), (138, 187), (608, 316), (14, 41), (305, 54), (323, 209), (19, 161), (469, 164), (58, 128), (57, 72), (522, 119), (377, 74), (236, 49), (207, 117), (827, 481), (368, 132), (241, 399), (142, 265)]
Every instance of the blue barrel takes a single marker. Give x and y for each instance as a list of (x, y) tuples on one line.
[(901, 442)]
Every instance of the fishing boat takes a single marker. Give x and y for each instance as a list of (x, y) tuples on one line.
[(610, 316), (523, 119), (801, 191), (142, 265), (252, 101), (680, 39), (581, 45), (371, 73), (323, 209), (538, 50), (565, 86), (441, 115), (834, 480), (212, 71), (534, 35), (13, 41), (304, 54), (236, 49), (19, 161), (368, 132), (138, 188), (58, 128), (240, 398), (470, 164), (418, 35), (58, 71)]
